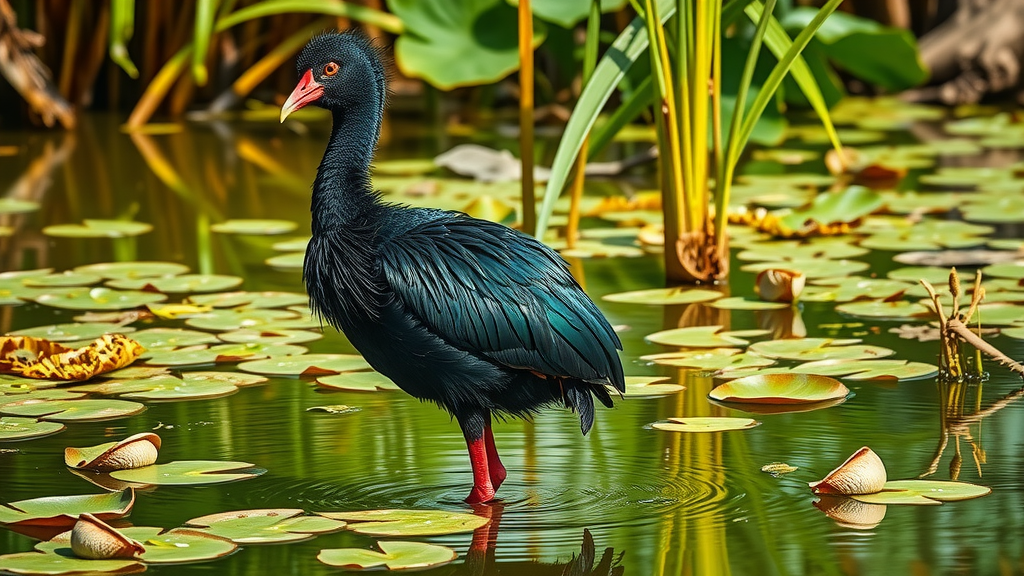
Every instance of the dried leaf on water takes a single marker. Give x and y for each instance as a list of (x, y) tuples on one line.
[(134, 451), (861, 473), (43, 359)]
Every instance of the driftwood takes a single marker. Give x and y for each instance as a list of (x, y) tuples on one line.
[(979, 50), (26, 73)]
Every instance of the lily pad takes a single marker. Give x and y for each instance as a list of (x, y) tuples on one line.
[(97, 299), (937, 276), (711, 359), (190, 386), (73, 410), (650, 387), (13, 428), (49, 563), (900, 370), (267, 526), (250, 299), (64, 510), (307, 365), (61, 280), (741, 303), (236, 319), (698, 337), (813, 268), (394, 555), (808, 349), (16, 206), (115, 270), (408, 522), (898, 310), (255, 227), (293, 245), (73, 331), (289, 261), (166, 337), (1012, 270), (357, 382), (664, 296), (183, 284), (98, 229), (249, 335), (705, 424), (189, 472), (780, 389), (220, 354), (908, 497), (941, 490), (785, 250)]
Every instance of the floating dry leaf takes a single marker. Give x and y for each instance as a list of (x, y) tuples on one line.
[(43, 359), (94, 539), (862, 473), (779, 285), (850, 513), (134, 451), (778, 468)]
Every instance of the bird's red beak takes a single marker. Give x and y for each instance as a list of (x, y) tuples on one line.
[(305, 93)]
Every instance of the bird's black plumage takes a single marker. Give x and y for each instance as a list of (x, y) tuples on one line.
[(469, 314)]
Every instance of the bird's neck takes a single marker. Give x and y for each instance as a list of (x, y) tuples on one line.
[(342, 193)]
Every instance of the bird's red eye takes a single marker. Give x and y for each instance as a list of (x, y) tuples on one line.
[(331, 69)]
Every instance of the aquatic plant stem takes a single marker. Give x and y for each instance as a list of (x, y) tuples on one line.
[(589, 62), (526, 115)]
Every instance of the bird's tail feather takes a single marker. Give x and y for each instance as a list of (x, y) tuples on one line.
[(579, 399)]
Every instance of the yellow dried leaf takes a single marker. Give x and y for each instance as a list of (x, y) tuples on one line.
[(42, 359), (173, 311)]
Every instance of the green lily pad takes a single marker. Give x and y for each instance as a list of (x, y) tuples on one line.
[(357, 382), (900, 370), (73, 410), (1015, 333), (116, 270), (966, 177), (254, 227), (220, 354), (293, 245), (307, 365), (780, 389), (183, 284), (937, 276), (819, 268), (699, 337), (408, 522), (191, 385), (833, 207), (741, 303), (711, 359), (13, 428), (267, 526), (247, 335), (808, 349), (650, 387), (850, 288), (236, 319), (994, 207), (189, 472), (289, 261), (785, 250), (1011, 270), (97, 299), (705, 424), (73, 331), (943, 491), (15, 206), (898, 310), (98, 229), (909, 202), (664, 296), (166, 337), (999, 315), (12, 395), (250, 299), (61, 280), (135, 372), (395, 555), (64, 510), (907, 497), (926, 235), (48, 563), (176, 546), (405, 167)]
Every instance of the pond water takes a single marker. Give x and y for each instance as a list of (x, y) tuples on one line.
[(664, 503)]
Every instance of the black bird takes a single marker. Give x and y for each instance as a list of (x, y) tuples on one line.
[(471, 315)]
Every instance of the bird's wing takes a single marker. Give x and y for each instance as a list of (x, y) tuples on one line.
[(486, 288)]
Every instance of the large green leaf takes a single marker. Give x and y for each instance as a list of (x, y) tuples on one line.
[(64, 510), (453, 43), (567, 13), (408, 522), (881, 55), (395, 556)]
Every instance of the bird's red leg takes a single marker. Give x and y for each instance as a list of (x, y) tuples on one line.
[(494, 466), (483, 490)]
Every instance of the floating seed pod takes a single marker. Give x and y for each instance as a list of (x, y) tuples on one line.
[(94, 539), (778, 285), (862, 473), (132, 452)]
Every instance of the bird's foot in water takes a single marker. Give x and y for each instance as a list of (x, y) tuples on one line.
[(480, 494), (498, 474)]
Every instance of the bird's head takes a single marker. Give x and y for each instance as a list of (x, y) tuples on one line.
[(337, 71)]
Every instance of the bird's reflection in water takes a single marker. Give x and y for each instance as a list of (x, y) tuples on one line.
[(482, 558)]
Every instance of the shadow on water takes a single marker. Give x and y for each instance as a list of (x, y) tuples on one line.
[(624, 500)]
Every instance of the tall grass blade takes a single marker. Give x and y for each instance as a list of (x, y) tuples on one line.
[(206, 12), (122, 26), (526, 115), (626, 112)]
